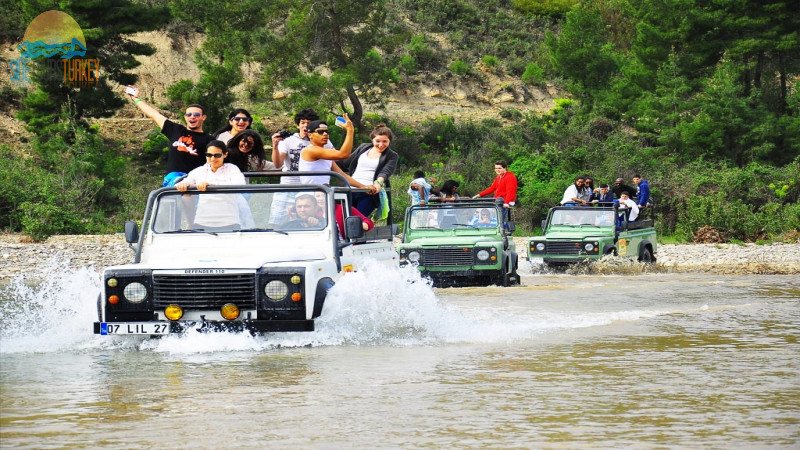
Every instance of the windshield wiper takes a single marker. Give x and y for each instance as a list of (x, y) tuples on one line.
[(272, 230), (191, 230)]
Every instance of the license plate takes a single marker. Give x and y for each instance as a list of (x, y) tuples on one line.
[(537, 260), (107, 329)]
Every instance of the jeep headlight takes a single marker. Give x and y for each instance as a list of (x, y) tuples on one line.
[(483, 255), (540, 246), (414, 256), (135, 292), (276, 290), (588, 246)]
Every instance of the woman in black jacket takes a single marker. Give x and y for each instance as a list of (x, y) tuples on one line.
[(372, 163)]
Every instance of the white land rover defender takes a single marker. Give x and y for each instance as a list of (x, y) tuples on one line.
[(239, 258)]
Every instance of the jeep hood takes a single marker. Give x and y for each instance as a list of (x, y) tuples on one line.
[(585, 233), (457, 241), (225, 253)]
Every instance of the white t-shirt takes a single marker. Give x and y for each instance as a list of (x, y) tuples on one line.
[(633, 207), (365, 168), (217, 210), (225, 137), (569, 194)]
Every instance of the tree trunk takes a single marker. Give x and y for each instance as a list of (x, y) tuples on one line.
[(358, 108)]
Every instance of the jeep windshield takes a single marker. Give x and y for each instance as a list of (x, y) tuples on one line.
[(234, 211), (583, 217), (453, 217)]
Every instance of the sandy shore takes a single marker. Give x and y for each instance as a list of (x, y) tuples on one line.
[(97, 251)]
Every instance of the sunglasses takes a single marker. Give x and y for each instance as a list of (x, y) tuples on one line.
[(193, 114), (323, 131), (213, 155), (240, 119)]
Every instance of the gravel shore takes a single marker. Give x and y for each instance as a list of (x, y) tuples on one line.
[(75, 251)]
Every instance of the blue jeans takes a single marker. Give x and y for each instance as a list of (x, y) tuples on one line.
[(364, 203)]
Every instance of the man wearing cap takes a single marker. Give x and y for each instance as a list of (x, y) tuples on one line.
[(317, 157)]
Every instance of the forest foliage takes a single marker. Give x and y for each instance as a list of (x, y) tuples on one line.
[(700, 97)]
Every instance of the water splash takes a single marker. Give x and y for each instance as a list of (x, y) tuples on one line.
[(373, 306)]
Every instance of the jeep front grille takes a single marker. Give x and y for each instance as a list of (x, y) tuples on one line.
[(204, 291), (440, 257), (564, 248)]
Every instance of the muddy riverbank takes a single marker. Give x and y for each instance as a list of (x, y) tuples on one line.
[(74, 251)]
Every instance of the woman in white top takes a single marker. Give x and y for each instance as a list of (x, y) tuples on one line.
[(372, 164), (221, 210)]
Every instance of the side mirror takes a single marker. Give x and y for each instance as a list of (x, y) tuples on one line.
[(131, 232), (353, 227), (544, 225)]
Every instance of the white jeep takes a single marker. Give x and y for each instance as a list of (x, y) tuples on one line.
[(236, 258)]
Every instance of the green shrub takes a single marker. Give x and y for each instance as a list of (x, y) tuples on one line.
[(490, 61), (408, 64), (40, 221), (461, 68), (533, 74)]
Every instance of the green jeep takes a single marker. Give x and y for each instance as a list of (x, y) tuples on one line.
[(464, 242), (573, 234)]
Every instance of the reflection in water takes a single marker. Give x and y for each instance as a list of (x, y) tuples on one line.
[(612, 361)]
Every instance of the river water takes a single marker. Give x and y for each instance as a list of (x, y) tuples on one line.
[(563, 361)]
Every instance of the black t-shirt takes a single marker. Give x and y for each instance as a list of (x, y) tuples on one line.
[(617, 190), (187, 148)]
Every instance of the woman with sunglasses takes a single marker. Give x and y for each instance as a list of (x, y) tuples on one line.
[(484, 218), (214, 172), (223, 210), (238, 120), (246, 150)]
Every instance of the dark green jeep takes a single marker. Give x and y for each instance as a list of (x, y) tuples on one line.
[(460, 243), (574, 234)]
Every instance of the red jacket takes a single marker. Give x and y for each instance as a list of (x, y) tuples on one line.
[(504, 186)]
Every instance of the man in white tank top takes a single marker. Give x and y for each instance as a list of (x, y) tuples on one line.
[(316, 157)]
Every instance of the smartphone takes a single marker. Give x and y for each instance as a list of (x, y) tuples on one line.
[(340, 122), (131, 91)]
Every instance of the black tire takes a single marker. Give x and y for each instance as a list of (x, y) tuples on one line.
[(646, 256)]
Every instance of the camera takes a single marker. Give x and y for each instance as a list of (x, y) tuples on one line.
[(284, 134), (131, 91)]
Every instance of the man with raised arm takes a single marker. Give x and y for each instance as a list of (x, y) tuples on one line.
[(187, 143)]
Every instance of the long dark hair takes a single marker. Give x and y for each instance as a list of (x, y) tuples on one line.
[(242, 160), (233, 114), (448, 188)]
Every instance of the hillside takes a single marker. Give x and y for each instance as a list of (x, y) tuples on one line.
[(427, 96)]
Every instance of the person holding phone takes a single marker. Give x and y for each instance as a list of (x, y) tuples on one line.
[(187, 143), (317, 157)]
